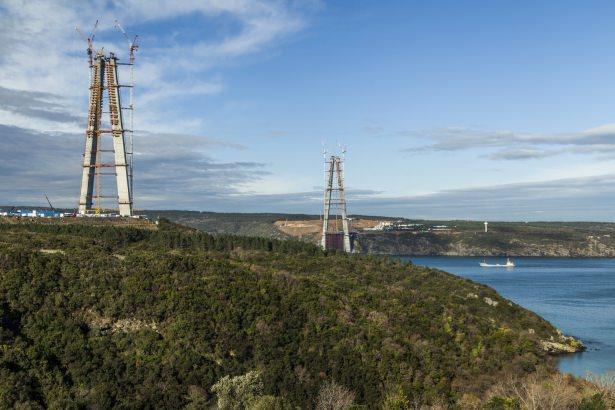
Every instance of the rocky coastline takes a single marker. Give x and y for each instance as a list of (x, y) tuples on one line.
[(416, 245), (562, 344)]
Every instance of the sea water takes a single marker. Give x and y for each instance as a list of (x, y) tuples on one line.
[(576, 295)]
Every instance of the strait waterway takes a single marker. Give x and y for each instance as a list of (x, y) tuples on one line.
[(575, 295)]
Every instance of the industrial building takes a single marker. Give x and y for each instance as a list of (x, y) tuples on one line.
[(34, 213)]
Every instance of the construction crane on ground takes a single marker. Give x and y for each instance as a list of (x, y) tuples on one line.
[(49, 202)]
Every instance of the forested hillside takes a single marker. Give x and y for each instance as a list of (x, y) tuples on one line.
[(465, 238), (101, 317), (551, 239), (230, 223)]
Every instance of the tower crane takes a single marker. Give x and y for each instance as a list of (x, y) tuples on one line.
[(90, 40), (132, 48), (132, 45)]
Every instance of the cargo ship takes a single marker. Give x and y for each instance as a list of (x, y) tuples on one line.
[(508, 264)]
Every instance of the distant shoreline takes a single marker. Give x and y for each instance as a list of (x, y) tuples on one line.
[(493, 256), (454, 238)]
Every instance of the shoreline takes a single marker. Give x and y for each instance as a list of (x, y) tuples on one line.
[(564, 346), (397, 255), (566, 343)]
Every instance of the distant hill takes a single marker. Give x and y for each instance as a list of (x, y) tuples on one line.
[(551, 239), (249, 224), (255, 224), (466, 238), (108, 316)]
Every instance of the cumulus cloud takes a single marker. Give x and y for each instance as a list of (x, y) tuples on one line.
[(42, 54), (33, 104), (33, 163)]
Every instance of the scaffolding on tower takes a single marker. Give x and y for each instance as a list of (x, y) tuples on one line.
[(96, 163), (334, 205), (133, 46)]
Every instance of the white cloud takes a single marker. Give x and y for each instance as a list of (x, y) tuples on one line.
[(159, 94), (181, 174), (510, 145), (41, 52)]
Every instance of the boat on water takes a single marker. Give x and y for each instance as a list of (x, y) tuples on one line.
[(508, 264)]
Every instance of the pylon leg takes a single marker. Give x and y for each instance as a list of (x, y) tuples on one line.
[(119, 144), (327, 205), (91, 139), (342, 194), (335, 169)]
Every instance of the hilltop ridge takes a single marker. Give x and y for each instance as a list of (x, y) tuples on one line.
[(465, 238)]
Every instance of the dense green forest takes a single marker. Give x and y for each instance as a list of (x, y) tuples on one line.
[(103, 316)]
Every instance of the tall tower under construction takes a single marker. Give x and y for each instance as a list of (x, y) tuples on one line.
[(335, 200), (103, 157)]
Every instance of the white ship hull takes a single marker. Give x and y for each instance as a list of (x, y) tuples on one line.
[(508, 264)]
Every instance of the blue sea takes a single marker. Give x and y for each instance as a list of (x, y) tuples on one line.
[(575, 295)]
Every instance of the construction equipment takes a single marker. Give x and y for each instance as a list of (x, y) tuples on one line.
[(49, 202), (334, 169), (104, 79), (90, 41), (132, 45), (132, 49)]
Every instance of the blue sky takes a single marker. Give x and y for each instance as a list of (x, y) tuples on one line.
[(449, 109)]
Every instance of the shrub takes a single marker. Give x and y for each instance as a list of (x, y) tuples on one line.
[(239, 391), (332, 396)]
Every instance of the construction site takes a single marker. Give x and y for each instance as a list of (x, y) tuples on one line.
[(109, 148), (336, 227), (108, 154), (107, 177)]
